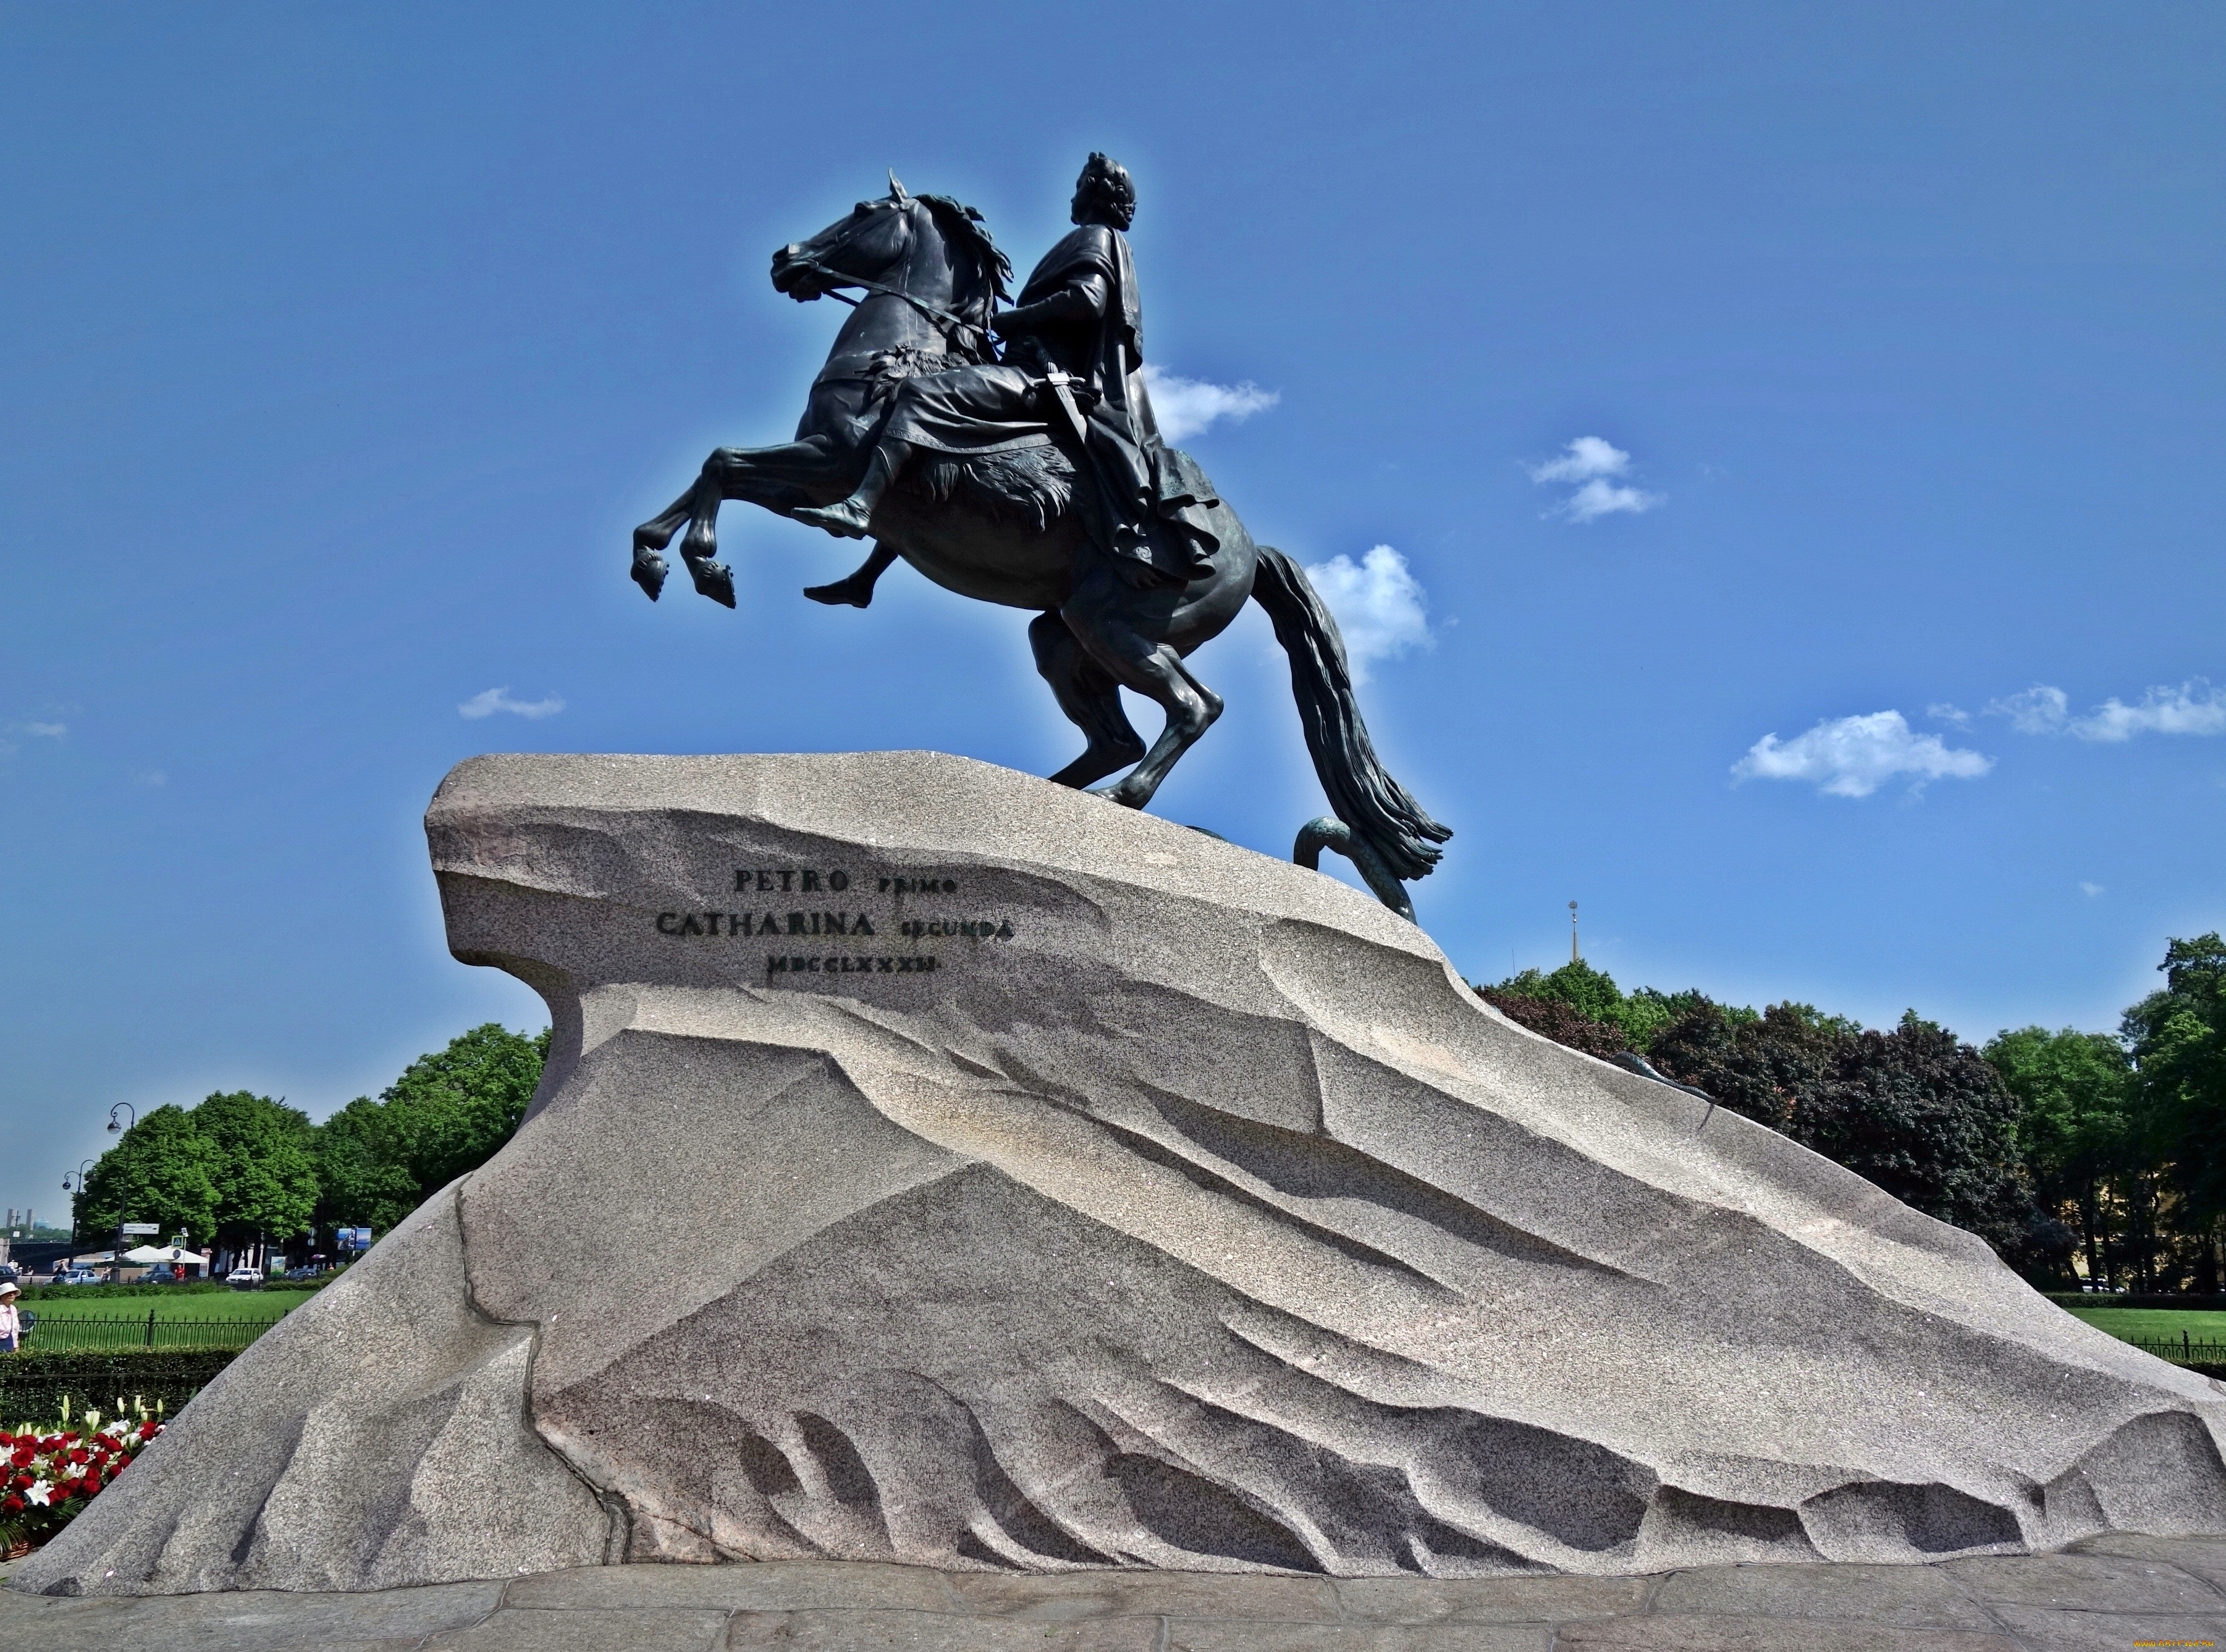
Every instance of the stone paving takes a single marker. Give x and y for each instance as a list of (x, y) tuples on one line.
[(2109, 1593)]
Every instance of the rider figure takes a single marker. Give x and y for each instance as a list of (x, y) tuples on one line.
[(1072, 374)]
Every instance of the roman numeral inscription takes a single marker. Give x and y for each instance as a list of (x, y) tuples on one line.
[(905, 916)]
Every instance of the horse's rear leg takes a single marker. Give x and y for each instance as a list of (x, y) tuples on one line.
[(1113, 623), (1090, 699)]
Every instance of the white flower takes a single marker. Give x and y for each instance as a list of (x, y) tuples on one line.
[(40, 1493)]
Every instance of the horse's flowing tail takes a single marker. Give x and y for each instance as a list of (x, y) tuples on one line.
[(1376, 806)]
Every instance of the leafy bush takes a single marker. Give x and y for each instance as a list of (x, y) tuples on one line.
[(39, 1383), (72, 1292), (1915, 1111), (194, 1287), (1553, 1018), (1593, 995)]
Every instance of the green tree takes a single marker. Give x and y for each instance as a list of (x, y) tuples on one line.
[(1591, 996), (162, 1170), (447, 1115), (1592, 993), (266, 1179), (1915, 1110), (362, 1179), (1772, 1068), (2072, 1124), (2177, 1040), (1922, 1115), (451, 1111)]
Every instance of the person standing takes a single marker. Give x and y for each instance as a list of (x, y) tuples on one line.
[(11, 1323)]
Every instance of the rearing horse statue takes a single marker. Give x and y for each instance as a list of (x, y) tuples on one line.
[(1002, 528)]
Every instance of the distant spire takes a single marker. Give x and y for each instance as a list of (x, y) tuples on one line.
[(1574, 956)]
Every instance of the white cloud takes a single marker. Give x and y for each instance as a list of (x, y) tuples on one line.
[(152, 778), (2090, 889), (47, 731), (1186, 407), (494, 700), (1941, 711), (2193, 707), (2038, 710), (1852, 757), (1598, 499), (1584, 459), (1380, 606), (1591, 460)]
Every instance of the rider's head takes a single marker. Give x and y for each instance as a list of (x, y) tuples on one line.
[(1104, 193)]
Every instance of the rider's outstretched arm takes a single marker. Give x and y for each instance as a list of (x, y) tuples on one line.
[(1083, 299)]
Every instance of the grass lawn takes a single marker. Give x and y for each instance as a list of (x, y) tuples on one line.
[(2155, 1324), (190, 1305)]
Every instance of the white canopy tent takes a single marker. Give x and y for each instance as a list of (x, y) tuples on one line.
[(150, 1256)]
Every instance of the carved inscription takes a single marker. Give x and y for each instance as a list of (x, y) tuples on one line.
[(893, 893)]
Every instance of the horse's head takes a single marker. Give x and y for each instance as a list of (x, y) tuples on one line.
[(932, 243), (869, 242)]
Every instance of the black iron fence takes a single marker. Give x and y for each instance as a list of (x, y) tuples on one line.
[(2182, 1350), (150, 1330)]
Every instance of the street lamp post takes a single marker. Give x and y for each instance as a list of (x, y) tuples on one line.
[(116, 1127), (84, 1170)]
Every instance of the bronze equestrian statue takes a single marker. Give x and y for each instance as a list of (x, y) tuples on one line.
[(1039, 480)]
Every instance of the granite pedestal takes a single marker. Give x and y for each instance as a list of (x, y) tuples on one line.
[(938, 1166)]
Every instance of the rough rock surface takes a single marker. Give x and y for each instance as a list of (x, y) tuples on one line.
[(1056, 1188)]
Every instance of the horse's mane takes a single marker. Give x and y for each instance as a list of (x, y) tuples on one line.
[(962, 227)]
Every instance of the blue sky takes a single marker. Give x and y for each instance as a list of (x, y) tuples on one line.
[(1750, 397)]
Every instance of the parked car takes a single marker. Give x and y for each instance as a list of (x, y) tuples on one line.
[(79, 1276), (301, 1272), (245, 1279)]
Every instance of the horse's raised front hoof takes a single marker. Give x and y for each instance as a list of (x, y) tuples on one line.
[(715, 580), (846, 591), (649, 571)]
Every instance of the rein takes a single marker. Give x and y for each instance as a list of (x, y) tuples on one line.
[(835, 277)]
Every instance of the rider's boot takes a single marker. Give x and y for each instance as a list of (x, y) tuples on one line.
[(857, 589), (851, 519), (845, 519)]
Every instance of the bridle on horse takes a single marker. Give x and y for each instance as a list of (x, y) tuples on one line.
[(834, 278)]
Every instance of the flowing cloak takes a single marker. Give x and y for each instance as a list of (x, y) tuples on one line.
[(1141, 501)]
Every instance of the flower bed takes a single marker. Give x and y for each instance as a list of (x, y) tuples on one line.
[(53, 1473)]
